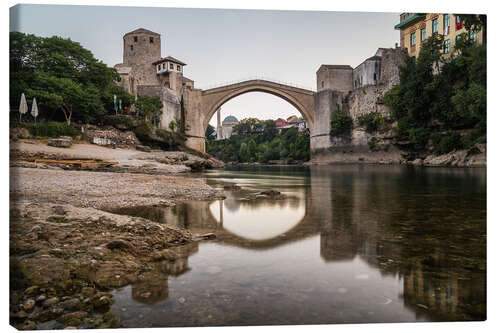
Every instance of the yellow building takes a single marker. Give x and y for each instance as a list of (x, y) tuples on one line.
[(417, 27)]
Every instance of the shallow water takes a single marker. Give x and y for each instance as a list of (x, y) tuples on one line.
[(349, 244)]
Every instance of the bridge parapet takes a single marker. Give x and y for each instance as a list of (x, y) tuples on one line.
[(289, 85)]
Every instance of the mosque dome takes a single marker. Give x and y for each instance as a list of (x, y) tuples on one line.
[(229, 119)]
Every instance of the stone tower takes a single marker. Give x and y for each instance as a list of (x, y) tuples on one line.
[(141, 48)]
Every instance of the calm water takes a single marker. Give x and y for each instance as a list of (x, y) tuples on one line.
[(349, 244)]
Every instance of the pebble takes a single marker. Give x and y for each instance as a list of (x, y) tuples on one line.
[(29, 325), (28, 305), (41, 298), (50, 302), (181, 300)]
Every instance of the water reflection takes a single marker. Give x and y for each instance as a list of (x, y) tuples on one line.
[(350, 244)]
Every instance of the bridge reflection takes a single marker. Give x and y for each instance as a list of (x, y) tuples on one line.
[(362, 212)]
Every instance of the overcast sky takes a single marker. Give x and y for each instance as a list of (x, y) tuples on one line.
[(224, 45)]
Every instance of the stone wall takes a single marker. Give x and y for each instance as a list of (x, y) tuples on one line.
[(367, 73), (149, 90), (359, 145), (334, 77), (391, 60), (325, 101), (171, 108), (194, 117), (367, 99)]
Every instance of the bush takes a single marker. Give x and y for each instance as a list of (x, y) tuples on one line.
[(372, 121), (51, 129), (119, 121), (446, 143), (341, 123), (419, 136), (372, 143)]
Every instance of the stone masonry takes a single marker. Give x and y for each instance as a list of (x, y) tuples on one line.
[(356, 91)]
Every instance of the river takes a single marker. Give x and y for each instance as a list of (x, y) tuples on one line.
[(348, 244)]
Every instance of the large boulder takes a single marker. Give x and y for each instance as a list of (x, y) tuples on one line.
[(62, 142)]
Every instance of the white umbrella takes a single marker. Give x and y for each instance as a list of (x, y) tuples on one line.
[(23, 107), (34, 109)]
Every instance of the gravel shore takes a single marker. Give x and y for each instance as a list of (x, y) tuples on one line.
[(105, 189)]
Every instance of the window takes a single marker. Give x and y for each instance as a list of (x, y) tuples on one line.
[(151, 40), (458, 22), (413, 39), (171, 66), (472, 35), (446, 24), (163, 65), (178, 67), (447, 46), (131, 47), (434, 26), (374, 76), (422, 35), (322, 84), (457, 38), (159, 67), (135, 39)]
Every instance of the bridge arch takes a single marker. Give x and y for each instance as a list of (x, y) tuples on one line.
[(213, 99)]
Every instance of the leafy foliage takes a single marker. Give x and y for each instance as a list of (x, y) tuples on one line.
[(149, 108), (51, 129), (262, 145), (341, 123), (373, 121), (66, 79), (441, 94)]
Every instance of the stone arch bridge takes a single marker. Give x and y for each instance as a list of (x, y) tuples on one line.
[(200, 105)]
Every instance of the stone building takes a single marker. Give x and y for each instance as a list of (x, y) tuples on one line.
[(144, 72), (225, 130), (415, 28), (368, 72), (357, 92), (334, 77)]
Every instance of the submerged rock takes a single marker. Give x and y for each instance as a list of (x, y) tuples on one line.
[(118, 244), (207, 236)]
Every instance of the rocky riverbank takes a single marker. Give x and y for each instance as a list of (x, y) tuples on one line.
[(129, 160), (65, 259), (472, 157), (67, 251)]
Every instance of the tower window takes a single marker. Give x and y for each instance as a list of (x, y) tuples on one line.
[(135, 39), (163, 65), (159, 67), (171, 66), (151, 41), (322, 84), (131, 47), (178, 67)]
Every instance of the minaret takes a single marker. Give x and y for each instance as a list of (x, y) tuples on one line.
[(219, 127)]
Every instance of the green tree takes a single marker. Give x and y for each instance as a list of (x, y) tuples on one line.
[(441, 94), (149, 107), (243, 153), (252, 149), (65, 78), (341, 123)]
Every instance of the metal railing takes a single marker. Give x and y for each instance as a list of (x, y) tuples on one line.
[(222, 84)]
